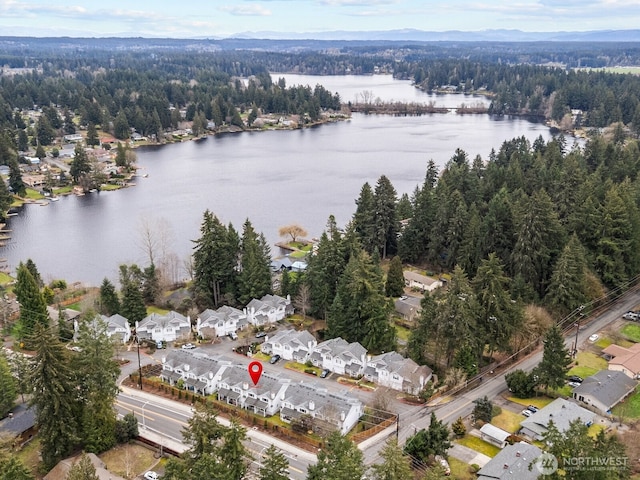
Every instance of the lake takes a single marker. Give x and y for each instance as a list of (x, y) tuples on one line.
[(273, 178)]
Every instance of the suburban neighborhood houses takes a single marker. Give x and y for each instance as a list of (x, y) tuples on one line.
[(604, 390), (561, 412)]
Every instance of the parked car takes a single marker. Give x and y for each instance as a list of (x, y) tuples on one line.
[(188, 346), (159, 344), (526, 412), (574, 378), (594, 337), (233, 335), (630, 315), (274, 359), (574, 384), (261, 334), (444, 464), (532, 408), (151, 475), (324, 373)]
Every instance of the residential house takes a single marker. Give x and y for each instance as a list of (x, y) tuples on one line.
[(199, 372), (263, 398), (408, 307), (290, 345), (269, 309), (72, 138), (494, 435), (625, 360), (164, 328), (67, 314), (605, 389), (338, 356), (220, 322), (394, 371), (330, 411), (116, 326), (20, 423), (61, 470), (513, 462), (420, 282), (299, 266), (562, 412), (282, 263), (33, 181)]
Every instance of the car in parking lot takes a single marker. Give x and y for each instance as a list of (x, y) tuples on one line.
[(532, 408), (233, 335), (574, 378), (594, 337), (188, 346), (526, 412), (151, 475), (261, 334), (274, 359), (324, 373), (574, 384)]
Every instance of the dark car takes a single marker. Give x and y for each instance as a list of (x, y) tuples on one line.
[(532, 408), (324, 373), (574, 378), (274, 359), (261, 334)]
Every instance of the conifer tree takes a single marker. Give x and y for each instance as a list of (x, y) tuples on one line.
[(568, 285), (92, 135), (132, 307), (8, 391), (274, 465), (83, 469), (254, 280), (33, 309), (385, 219), (109, 301), (340, 459), (554, 366), (364, 218), (396, 464), (80, 165), (394, 287)]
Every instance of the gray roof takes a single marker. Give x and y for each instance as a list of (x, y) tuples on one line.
[(494, 432), (606, 386), (561, 412), (238, 376), (22, 420), (198, 364), (296, 340), (172, 318), (512, 463), (324, 403), (223, 313)]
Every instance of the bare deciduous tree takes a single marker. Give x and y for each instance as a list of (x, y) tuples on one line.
[(295, 231), (302, 301)]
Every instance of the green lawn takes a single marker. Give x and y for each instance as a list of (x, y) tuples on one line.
[(402, 332), (589, 360), (300, 367), (629, 408), (5, 278), (460, 470), (539, 402), (261, 356), (632, 332), (479, 445), (159, 311), (34, 194), (603, 342), (507, 421)]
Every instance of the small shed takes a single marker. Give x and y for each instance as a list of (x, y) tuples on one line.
[(494, 435)]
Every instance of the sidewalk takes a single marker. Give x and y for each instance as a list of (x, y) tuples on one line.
[(468, 455)]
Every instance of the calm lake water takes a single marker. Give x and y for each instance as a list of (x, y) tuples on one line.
[(273, 178)]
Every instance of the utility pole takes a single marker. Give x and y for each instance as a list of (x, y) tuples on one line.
[(139, 364), (398, 427), (574, 353)]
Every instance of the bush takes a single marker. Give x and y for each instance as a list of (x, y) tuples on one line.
[(458, 427)]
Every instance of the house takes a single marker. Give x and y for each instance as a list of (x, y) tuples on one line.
[(116, 326), (68, 314), (420, 282), (494, 435), (330, 411), (20, 423), (61, 470), (33, 181), (298, 266), (220, 322), (164, 328), (269, 309), (199, 372), (72, 138), (280, 264), (338, 356), (263, 398), (394, 371), (290, 345), (562, 412), (513, 462), (625, 360), (605, 389), (408, 307)]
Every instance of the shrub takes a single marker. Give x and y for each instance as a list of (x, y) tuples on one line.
[(458, 427)]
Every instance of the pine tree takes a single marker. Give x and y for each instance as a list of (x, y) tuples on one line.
[(13, 469), (83, 469), (33, 309), (568, 286), (340, 459), (54, 397), (483, 409), (92, 135), (109, 301), (33, 269), (274, 465), (385, 218), (132, 307), (364, 218), (254, 280), (554, 366), (426, 443), (233, 455), (121, 126), (80, 165), (44, 131), (425, 330), (16, 183), (8, 390), (395, 466), (394, 287)]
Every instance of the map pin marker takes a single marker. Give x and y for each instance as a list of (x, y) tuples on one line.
[(255, 371)]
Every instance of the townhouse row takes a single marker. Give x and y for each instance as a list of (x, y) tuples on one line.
[(273, 394)]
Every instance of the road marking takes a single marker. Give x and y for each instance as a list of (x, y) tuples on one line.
[(137, 408)]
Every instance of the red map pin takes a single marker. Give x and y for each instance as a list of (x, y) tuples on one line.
[(255, 371)]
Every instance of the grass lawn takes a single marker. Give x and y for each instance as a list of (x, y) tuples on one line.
[(298, 254), (159, 311), (629, 408), (604, 342), (402, 332), (128, 460), (34, 194), (109, 186), (261, 356), (63, 190), (460, 470), (507, 420), (301, 367), (632, 332), (5, 278), (539, 402), (590, 360), (30, 455), (479, 445)]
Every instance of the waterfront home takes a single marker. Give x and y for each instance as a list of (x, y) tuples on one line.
[(268, 310), (264, 398), (561, 412), (605, 389), (290, 345), (330, 411), (199, 373), (394, 371), (169, 327), (221, 322), (339, 356), (420, 282), (625, 360), (115, 326)]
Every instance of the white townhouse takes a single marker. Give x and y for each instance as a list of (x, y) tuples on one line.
[(394, 371), (199, 372), (115, 326), (290, 345), (338, 356), (265, 398), (164, 328), (220, 322), (269, 309), (330, 411)]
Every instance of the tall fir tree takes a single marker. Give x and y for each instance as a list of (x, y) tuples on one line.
[(340, 459), (109, 300), (33, 309), (364, 218), (553, 368), (132, 306), (396, 464), (568, 285), (8, 390), (394, 286), (254, 280), (385, 218), (83, 469), (274, 465)]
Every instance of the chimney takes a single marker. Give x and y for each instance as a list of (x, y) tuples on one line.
[(312, 405), (342, 416), (505, 466), (273, 395), (245, 386), (518, 453)]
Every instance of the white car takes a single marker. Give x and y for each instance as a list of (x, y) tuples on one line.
[(526, 412), (151, 475), (594, 337), (188, 346)]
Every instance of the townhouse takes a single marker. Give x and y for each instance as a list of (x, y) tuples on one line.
[(394, 371), (164, 328), (220, 322), (268, 310), (339, 356), (199, 372), (290, 345)]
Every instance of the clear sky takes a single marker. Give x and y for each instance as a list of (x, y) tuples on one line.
[(217, 18)]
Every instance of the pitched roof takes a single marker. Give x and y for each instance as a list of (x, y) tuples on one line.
[(61, 470), (296, 340), (512, 463), (23, 419), (171, 318), (606, 386), (561, 412), (494, 432), (416, 277), (628, 358)]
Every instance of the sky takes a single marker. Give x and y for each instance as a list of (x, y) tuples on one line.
[(216, 18)]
